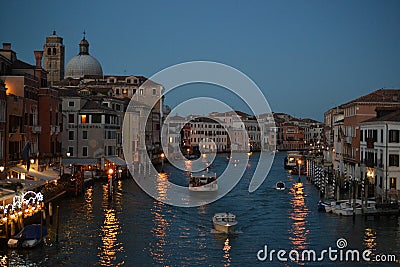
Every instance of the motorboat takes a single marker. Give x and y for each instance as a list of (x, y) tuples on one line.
[(346, 207), (204, 181), (280, 185), (225, 222), (324, 206), (29, 237)]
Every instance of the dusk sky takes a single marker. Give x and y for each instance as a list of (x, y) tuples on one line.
[(306, 56)]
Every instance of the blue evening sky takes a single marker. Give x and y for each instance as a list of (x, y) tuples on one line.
[(306, 56)]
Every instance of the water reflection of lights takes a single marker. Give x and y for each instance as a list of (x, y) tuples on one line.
[(299, 229), (370, 239), (188, 165), (110, 230), (160, 224), (227, 255)]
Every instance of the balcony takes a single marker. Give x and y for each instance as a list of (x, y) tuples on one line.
[(36, 129), (54, 129), (347, 139)]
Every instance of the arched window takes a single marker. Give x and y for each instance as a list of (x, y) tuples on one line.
[(49, 51), (54, 51)]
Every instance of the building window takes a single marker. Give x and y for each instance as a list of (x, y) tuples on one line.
[(380, 181), (71, 135), (54, 51), (141, 92), (154, 91), (117, 92), (392, 182), (71, 104), (96, 118), (362, 135), (394, 160), (394, 136), (85, 151), (83, 119), (71, 151), (84, 135), (71, 118)]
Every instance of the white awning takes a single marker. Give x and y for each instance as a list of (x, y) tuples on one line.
[(48, 175), (79, 161), (116, 160)]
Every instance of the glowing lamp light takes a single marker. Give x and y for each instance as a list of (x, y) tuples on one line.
[(162, 155), (32, 161), (299, 162), (110, 171), (68, 154), (1, 168)]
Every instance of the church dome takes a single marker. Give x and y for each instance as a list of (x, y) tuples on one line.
[(83, 63)]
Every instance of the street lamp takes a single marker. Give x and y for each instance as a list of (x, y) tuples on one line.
[(162, 162), (299, 162)]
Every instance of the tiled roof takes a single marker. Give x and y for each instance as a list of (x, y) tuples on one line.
[(381, 95), (94, 105), (18, 64), (393, 116)]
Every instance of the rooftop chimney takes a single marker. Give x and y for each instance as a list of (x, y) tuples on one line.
[(7, 46), (38, 56)]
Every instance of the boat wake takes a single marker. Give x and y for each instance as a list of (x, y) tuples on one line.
[(213, 231)]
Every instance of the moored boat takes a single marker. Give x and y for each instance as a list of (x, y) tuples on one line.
[(324, 206), (29, 237), (225, 222)]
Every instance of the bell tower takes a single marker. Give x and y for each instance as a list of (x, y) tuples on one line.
[(54, 57)]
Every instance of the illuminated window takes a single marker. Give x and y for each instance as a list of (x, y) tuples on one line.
[(83, 119), (392, 183)]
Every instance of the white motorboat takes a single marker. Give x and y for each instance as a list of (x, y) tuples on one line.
[(225, 222), (203, 181), (345, 208), (280, 185)]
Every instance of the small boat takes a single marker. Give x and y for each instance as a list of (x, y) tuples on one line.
[(280, 185), (324, 206), (203, 181), (225, 222), (29, 237)]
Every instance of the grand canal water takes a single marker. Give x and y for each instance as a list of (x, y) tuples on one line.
[(135, 230)]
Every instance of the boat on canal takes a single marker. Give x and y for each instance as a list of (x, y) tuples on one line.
[(324, 206), (29, 237), (280, 185), (292, 158), (204, 181), (225, 222)]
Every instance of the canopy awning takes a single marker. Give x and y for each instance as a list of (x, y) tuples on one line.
[(79, 161), (116, 160), (48, 175)]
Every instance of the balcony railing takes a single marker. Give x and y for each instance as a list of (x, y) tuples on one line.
[(36, 129)]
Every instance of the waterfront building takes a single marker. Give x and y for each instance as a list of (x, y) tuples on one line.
[(3, 112), (270, 130), (91, 127), (207, 135), (379, 154), (348, 131), (22, 82)]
